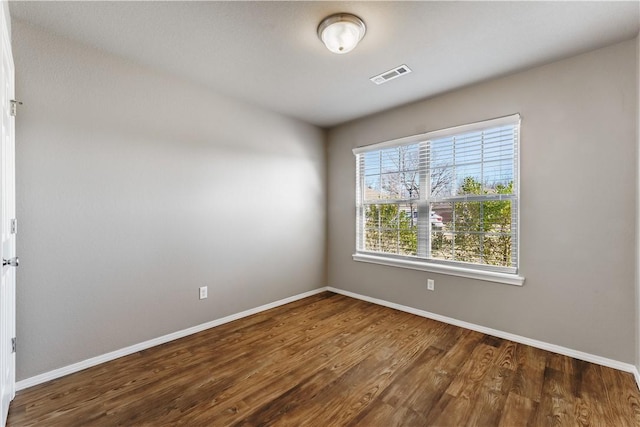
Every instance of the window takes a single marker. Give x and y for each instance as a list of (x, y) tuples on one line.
[(444, 201)]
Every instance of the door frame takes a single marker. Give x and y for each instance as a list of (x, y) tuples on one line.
[(7, 214)]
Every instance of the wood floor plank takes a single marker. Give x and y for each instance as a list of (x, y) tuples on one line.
[(330, 360), (403, 391), (507, 357), (473, 371), (421, 389), (488, 407), (590, 407), (518, 411), (618, 407), (382, 414), (465, 390), (556, 407), (529, 375)]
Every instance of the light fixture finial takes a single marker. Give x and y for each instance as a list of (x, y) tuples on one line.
[(341, 32)]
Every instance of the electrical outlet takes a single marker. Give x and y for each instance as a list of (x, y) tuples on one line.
[(203, 292), (430, 285)]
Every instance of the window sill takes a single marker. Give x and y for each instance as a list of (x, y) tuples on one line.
[(490, 276)]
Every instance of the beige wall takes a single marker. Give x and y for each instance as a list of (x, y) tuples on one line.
[(135, 188), (578, 204)]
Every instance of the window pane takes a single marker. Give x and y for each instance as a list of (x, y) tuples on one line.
[(467, 217), (408, 242), (443, 210), (372, 187), (497, 250), (467, 247), (441, 182), (441, 244), (392, 173), (372, 240), (485, 158), (497, 216), (372, 163), (468, 149), (392, 228), (389, 241), (476, 232), (371, 216), (498, 177)]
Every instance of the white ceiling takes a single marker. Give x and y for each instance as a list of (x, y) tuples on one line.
[(268, 53)]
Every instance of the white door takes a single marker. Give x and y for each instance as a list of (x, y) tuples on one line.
[(7, 228)]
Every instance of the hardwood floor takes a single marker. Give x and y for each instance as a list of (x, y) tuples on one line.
[(330, 360)]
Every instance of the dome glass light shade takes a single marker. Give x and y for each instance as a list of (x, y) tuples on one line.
[(341, 33)]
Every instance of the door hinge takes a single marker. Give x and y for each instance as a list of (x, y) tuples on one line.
[(13, 107), (14, 226), (13, 345)]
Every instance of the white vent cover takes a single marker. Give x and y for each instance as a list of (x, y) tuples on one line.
[(390, 75)]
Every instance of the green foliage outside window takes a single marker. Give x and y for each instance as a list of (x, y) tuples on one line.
[(480, 231), (390, 229), (476, 231)]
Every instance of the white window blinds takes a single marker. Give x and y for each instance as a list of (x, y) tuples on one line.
[(449, 196)]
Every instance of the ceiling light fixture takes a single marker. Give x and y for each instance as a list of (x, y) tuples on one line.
[(341, 32)]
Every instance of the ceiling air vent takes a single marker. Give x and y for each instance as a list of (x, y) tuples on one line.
[(390, 75)]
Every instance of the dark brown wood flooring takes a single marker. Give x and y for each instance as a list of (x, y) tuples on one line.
[(330, 360)]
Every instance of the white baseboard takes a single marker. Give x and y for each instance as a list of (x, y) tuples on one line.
[(626, 367), (60, 372), (70, 369)]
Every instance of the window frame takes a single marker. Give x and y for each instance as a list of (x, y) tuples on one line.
[(422, 261)]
